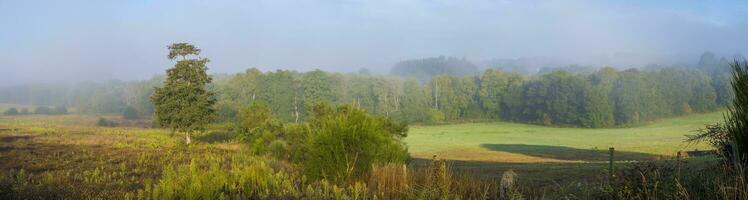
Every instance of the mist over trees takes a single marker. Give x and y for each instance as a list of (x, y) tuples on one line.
[(603, 97), (424, 69)]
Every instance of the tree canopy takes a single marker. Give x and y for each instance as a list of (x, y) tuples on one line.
[(183, 103)]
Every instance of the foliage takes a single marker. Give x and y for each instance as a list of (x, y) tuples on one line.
[(183, 103), (579, 98), (415, 103), (715, 135), (424, 69), (343, 144), (257, 127), (207, 178), (183, 50), (103, 122), (280, 91), (736, 121), (130, 113), (604, 98)]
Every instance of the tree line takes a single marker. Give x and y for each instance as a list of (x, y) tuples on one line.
[(605, 97)]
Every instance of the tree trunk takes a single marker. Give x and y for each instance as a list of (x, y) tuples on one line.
[(386, 105), (296, 110), (436, 94), (187, 137)]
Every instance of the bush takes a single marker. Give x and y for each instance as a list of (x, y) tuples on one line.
[(11, 111), (257, 127), (436, 115), (130, 113), (43, 110), (103, 122), (345, 143)]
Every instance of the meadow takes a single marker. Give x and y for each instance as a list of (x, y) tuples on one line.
[(68, 156), (507, 142)]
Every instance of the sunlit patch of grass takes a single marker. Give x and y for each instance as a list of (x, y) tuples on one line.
[(469, 141)]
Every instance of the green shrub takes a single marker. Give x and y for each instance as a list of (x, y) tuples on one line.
[(278, 148), (11, 111), (345, 143), (43, 110), (255, 120), (436, 115), (257, 127), (103, 122)]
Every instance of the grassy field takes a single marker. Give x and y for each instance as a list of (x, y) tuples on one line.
[(523, 143), (71, 156)]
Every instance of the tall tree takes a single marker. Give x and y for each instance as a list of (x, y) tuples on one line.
[(415, 102), (280, 91), (493, 86), (183, 104), (318, 87), (598, 105)]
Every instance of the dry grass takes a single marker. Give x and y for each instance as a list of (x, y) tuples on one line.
[(68, 157)]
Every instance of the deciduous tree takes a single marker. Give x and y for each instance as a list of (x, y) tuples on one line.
[(183, 104)]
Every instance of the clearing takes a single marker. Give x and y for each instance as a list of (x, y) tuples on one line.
[(505, 142)]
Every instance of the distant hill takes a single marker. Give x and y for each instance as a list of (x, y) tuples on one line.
[(526, 66)]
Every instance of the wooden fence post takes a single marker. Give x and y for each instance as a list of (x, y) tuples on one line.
[(610, 164)]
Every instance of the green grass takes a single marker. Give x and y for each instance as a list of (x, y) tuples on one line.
[(68, 156), (525, 143)]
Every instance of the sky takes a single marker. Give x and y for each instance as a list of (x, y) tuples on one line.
[(62, 41)]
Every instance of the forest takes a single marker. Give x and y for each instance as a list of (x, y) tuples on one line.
[(605, 97)]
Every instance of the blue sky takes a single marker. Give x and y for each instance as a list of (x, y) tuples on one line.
[(52, 41)]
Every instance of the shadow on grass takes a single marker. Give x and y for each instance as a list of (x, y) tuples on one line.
[(532, 174), (568, 153), (216, 137)]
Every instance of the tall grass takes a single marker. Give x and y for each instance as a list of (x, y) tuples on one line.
[(256, 178)]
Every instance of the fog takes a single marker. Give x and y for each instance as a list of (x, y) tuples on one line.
[(64, 41)]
